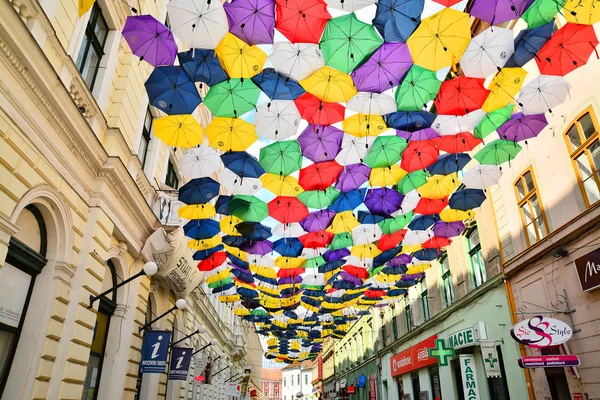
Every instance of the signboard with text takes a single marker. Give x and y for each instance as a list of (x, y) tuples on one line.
[(588, 270), (180, 363), (559, 361), (154, 352), (373, 387), (467, 337), (469, 376), (540, 331), (413, 358), (233, 389), (14, 286)]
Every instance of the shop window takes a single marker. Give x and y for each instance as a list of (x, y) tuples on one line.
[(424, 303), (584, 149), (146, 137), (532, 213), (408, 320), (476, 256), (24, 261), (416, 385), (172, 179), (447, 289), (92, 48)]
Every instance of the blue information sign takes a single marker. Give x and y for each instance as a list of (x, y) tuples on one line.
[(154, 351), (180, 363)]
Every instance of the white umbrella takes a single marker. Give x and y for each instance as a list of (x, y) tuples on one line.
[(354, 149), (236, 184), (543, 94), (298, 61), (453, 124), (312, 253), (349, 5), (371, 103), (313, 278), (198, 23), (199, 162), (487, 52), (482, 176), (417, 237), (228, 292), (365, 234), (263, 261), (361, 262), (293, 229), (277, 120), (409, 202)]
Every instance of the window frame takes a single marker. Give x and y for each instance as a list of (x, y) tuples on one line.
[(446, 277), (424, 303), (526, 200), (145, 138), (171, 174), (90, 39), (408, 320), (584, 147), (476, 251)]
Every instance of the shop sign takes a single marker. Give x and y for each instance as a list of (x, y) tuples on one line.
[(588, 270), (14, 286), (373, 387), (577, 396), (469, 376), (565, 360), (442, 353), (154, 352), (490, 358), (343, 382), (180, 363), (233, 389), (541, 331), (467, 337), (413, 358), (319, 368)]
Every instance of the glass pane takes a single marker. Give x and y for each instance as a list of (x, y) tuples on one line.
[(92, 378), (82, 50), (574, 138), (526, 214), (148, 121), (100, 331), (541, 227), (6, 341), (583, 164), (528, 181), (595, 152), (100, 30), (587, 125), (90, 67), (530, 231), (445, 264), (591, 189), (474, 239), (521, 189), (535, 206)]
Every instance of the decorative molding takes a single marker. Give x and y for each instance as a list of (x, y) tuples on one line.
[(64, 271), (78, 96), (121, 249), (24, 9)]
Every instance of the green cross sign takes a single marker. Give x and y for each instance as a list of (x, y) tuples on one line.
[(490, 360), (441, 352)]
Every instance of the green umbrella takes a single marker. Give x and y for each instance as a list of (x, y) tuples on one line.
[(232, 98), (314, 262), (248, 208), (348, 42), (419, 87), (281, 158), (218, 284), (341, 241), (375, 271), (386, 151), (498, 152), (391, 225), (492, 121), (541, 12), (412, 181), (319, 198)]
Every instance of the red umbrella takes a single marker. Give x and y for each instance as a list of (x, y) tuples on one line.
[(319, 112), (447, 3), (358, 272), (374, 293), (459, 143), (319, 176), (301, 20), (314, 240), (213, 261), (287, 209), (388, 241), (460, 96), (419, 155), (568, 48), (431, 206), (289, 272), (436, 242)]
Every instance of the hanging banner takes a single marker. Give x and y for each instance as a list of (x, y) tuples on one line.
[(490, 358), (233, 389), (154, 352), (469, 376), (176, 266), (373, 387), (180, 363), (540, 331)]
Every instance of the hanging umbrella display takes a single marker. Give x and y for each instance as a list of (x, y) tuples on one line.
[(198, 191), (419, 87), (230, 134), (199, 162), (287, 209), (419, 155), (316, 239), (498, 152), (239, 59), (317, 220), (384, 70), (371, 103), (467, 199), (319, 112), (171, 90), (253, 21), (320, 143), (281, 158), (522, 127), (431, 206), (277, 120), (301, 20), (349, 5), (383, 201), (281, 185), (439, 186), (348, 201), (319, 198), (248, 208), (461, 142), (202, 65), (529, 42), (487, 52), (386, 176), (412, 181), (453, 124), (319, 176), (396, 19), (386, 150), (461, 95), (296, 61), (364, 125), (354, 150), (482, 176), (498, 11), (582, 11), (199, 229), (343, 221), (232, 98), (178, 130), (242, 164), (492, 121), (198, 23), (449, 163), (353, 177), (237, 184), (329, 85), (541, 12), (503, 88), (288, 247), (277, 86), (150, 40), (409, 121), (197, 211)]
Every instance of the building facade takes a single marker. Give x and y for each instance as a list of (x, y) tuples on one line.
[(297, 379), (271, 383), (328, 357)]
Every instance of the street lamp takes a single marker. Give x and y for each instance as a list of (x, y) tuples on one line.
[(179, 305), (201, 329), (211, 342), (299, 395), (148, 269)]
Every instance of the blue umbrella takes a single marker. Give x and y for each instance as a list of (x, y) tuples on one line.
[(253, 230), (331, 266), (394, 270), (386, 256), (222, 205), (349, 200), (199, 191), (242, 164), (528, 43), (244, 277), (200, 229), (409, 121), (313, 293), (404, 284), (202, 65), (171, 90), (449, 163), (276, 86), (423, 222), (397, 19), (223, 288), (238, 262), (233, 241), (288, 247), (427, 254), (204, 254), (396, 292), (368, 218), (467, 199)]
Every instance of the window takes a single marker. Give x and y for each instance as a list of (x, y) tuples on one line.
[(408, 321), (172, 179), (292, 380), (92, 48), (395, 327), (476, 256), (145, 139), (299, 381), (584, 149), (383, 331), (284, 380), (447, 290), (306, 379), (533, 218), (424, 303)]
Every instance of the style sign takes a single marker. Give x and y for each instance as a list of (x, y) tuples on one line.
[(588, 270), (180, 363), (413, 358), (541, 331), (565, 360), (469, 376), (154, 352)]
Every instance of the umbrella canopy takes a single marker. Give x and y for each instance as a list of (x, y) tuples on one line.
[(492, 121), (237, 184), (412, 181), (277, 120), (232, 98), (319, 112), (353, 177), (277, 86), (449, 163), (354, 150), (397, 19), (287, 209), (582, 12), (231, 134), (448, 229), (248, 208), (498, 152), (288, 247), (202, 65), (199, 162), (409, 121), (179, 130), (385, 69), (529, 42), (199, 191), (365, 234), (386, 176), (253, 21), (541, 12), (439, 186), (242, 164), (150, 40), (543, 94), (197, 211), (239, 59), (364, 125), (522, 127), (317, 220), (320, 143), (330, 85), (319, 176), (461, 95), (386, 151), (503, 88), (348, 42), (348, 200), (383, 201), (419, 87), (481, 176), (172, 91), (349, 5), (467, 199), (487, 52), (498, 11), (281, 185), (296, 61), (371, 103), (319, 198), (198, 23), (419, 155), (301, 20), (253, 230), (421, 134), (461, 142), (281, 158)]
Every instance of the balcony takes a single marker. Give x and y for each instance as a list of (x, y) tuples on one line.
[(166, 208)]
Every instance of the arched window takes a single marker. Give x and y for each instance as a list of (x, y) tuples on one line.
[(105, 310), (24, 261)]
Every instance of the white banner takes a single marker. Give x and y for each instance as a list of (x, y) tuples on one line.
[(469, 376), (14, 286), (233, 389), (490, 358)]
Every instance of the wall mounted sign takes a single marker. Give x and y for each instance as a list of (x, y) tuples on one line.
[(413, 358), (14, 286), (469, 376), (442, 353), (563, 360), (154, 352), (541, 331), (180, 363), (588, 270), (373, 387), (490, 358), (467, 337), (233, 389), (343, 382)]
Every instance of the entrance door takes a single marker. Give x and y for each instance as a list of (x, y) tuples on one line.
[(556, 377), (416, 385)]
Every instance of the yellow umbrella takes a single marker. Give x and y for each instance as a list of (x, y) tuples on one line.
[(330, 85), (241, 311), (179, 130), (280, 324), (387, 278), (412, 248), (309, 307), (222, 275), (439, 186), (451, 215), (417, 269), (197, 211), (239, 59), (205, 244), (281, 185), (228, 224), (269, 291), (343, 222), (441, 39), (365, 251), (386, 176), (230, 299), (231, 134), (364, 125), (273, 342), (586, 11), (267, 272), (289, 262), (242, 255), (503, 88)]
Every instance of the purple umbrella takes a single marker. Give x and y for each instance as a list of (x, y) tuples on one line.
[(320, 143), (335, 255), (522, 127), (352, 177), (421, 134), (290, 279), (385, 69), (499, 11), (402, 259), (412, 277), (448, 229), (260, 247), (253, 21), (317, 220), (150, 40), (383, 201), (351, 278)]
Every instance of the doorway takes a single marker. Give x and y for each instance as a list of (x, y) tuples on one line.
[(556, 377)]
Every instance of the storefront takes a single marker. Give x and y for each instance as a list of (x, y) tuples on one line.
[(358, 384), (329, 389)]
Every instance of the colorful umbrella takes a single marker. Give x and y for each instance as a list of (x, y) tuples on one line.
[(296, 61), (330, 85), (199, 162), (582, 11), (202, 65), (198, 23), (522, 127), (319, 176), (150, 40), (288, 247), (301, 20), (281, 185), (383, 201), (277, 120), (237, 184), (281, 158), (498, 152), (319, 112), (492, 121), (419, 87), (467, 199), (231, 134), (320, 143), (199, 191), (461, 95), (253, 21), (458, 143), (498, 11), (541, 12), (419, 155), (412, 181), (503, 88), (386, 176), (178, 130), (397, 19), (431, 206), (386, 150), (319, 198), (171, 90), (371, 103), (343, 221), (487, 52), (353, 177), (449, 163), (316, 239), (452, 124), (409, 121), (232, 98), (197, 211), (253, 230), (248, 208), (317, 220), (277, 86), (481, 176), (364, 125), (365, 234), (239, 59), (421, 134), (529, 42), (385, 69), (348, 201), (439, 186), (242, 164), (354, 150)]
